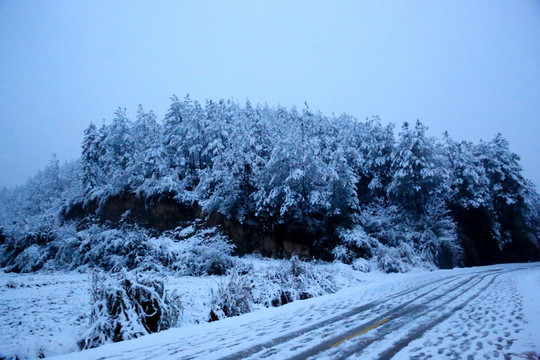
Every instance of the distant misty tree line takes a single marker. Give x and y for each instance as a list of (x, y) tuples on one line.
[(349, 185)]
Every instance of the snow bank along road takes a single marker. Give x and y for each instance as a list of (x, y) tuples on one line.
[(489, 312)]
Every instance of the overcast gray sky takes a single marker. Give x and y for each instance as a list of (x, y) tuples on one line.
[(469, 67)]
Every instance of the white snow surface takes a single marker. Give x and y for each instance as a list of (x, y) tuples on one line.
[(473, 313)]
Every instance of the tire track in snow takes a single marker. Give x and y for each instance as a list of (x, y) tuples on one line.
[(344, 316), (467, 330), (289, 337), (419, 331), (385, 320), (395, 323)]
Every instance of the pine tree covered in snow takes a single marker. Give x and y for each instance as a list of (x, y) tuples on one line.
[(417, 169)]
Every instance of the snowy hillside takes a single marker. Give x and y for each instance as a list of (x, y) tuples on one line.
[(279, 182)]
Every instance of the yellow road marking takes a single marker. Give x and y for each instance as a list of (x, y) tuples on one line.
[(361, 332)]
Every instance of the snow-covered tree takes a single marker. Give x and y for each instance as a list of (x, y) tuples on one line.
[(119, 146), (375, 143), (417, 169), (183, 140), (295, 178), (469, 184), (503, 171), (148, 167), (44, 190), (92, 171), (227, 186)]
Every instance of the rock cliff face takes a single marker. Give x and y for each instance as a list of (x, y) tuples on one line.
[(165, 213), (249, 238), (160, 213)]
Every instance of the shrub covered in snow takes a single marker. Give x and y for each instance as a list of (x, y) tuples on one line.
[(128, 306), (30, 259), (244, 289), (200, 252), (361, 264), (233, 297), (190, 251), (343, 254), (30, 246), (111, 249), (390, 260), (292, 280)]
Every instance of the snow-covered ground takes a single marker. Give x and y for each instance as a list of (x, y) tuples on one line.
[(42, 313), (483, 312), (46, 313)]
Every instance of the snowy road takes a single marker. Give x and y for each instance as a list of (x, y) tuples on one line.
[(461, 314)]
